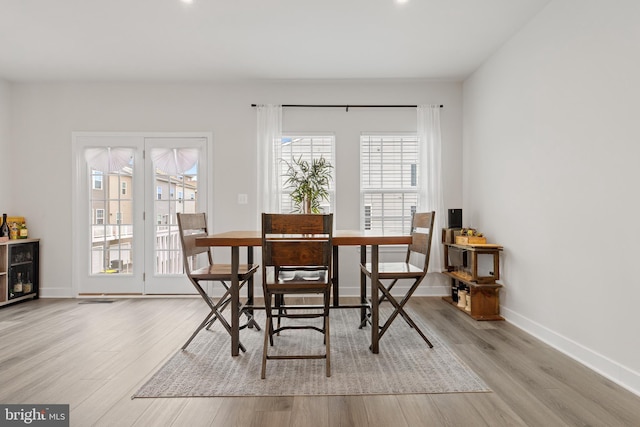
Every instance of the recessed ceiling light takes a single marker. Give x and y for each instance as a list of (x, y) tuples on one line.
[(187, 1), (402, 1)]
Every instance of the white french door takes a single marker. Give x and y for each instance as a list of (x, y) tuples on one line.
[(177, 173), (127, 191)]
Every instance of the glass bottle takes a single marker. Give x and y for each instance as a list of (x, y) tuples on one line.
[(4, 228), (24, 233), (17, 287), (27, 287), (13, 231)]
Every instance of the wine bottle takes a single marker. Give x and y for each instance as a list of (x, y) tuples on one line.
[(24, 232), (4, 228)]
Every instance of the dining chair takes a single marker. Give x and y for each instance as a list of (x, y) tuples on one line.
[(192, 226), (413, 268), (296, 259)]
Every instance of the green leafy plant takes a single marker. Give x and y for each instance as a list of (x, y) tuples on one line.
[(309, 183)]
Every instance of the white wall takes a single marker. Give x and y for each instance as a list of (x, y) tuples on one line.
[(5, 172), (46, 114), (551, 149)]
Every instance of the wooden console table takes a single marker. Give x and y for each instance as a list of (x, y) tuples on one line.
[(483, 289)]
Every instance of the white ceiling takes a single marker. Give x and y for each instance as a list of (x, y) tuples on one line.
[(167, 40)]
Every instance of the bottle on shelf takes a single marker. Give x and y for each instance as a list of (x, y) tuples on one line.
[(13, 231), (462, 298), (27, 286), (17, 287), (4, 228), (24, 232)]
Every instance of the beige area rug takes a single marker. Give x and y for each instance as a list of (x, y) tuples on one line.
[(404, 365)]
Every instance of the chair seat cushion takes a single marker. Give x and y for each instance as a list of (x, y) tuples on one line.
[(223, 271), (393, 270), (298, 281)]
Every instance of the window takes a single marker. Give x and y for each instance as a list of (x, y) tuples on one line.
[(309, 147), (97, 180), (159, 192), (388, 182), (99, 220), (124, 188)]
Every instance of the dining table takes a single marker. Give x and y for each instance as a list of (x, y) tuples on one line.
[(253, 238)]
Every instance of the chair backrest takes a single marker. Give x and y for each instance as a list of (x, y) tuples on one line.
[(419, 250), (297, 240), (191, 226)]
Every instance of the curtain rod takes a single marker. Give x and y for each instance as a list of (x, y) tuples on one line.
[(345, 106)]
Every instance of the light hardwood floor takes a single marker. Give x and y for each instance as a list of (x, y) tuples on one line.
[(95, 356)]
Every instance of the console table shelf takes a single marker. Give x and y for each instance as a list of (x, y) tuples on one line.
[(461, 265), (485, 299)]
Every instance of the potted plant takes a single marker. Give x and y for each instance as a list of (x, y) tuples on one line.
[(309, 183)]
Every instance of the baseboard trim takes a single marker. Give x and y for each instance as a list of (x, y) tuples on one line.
[(614, 371), (55, 293)]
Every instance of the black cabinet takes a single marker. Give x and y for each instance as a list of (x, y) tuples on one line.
[(19, 270)]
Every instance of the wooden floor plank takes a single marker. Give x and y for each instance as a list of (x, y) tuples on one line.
[(384, 411), (309, 411), (347, 411), (457, 410), (197, 412), (420, 409)]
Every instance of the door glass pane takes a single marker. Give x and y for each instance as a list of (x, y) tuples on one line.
[(176, 184), (111, 216)]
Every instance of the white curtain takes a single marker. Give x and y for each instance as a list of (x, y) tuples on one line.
[(108, 159), (174, 161), (431, 192), (269, 152)]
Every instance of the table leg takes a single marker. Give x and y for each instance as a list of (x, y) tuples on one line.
[(235, 301), (363, 287), (335, 278), (250, 284), (375, 321)]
